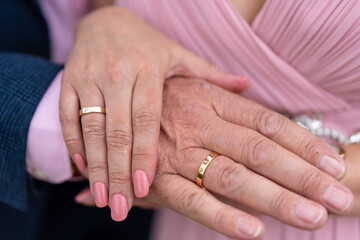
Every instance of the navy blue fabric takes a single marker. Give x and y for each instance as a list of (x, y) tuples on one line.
[(23, 81), (54, 215), (23, 28)]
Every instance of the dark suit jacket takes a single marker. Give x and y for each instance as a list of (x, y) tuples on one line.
[(32, 209), (24, 80)]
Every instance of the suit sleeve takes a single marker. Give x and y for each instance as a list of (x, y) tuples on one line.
[(24, 80)]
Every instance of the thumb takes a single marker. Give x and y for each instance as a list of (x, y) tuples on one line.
[(190, 65)]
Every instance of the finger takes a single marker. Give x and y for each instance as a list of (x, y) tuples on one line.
[(85, 197), (191, 65), (145, 204), (81, 164), (188, 199), (272, 161), (146, 113), (236, 182), (70, 123), (119, 139), (93, 128), (285, 132)]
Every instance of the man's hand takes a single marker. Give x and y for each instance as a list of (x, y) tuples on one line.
[(268, 163)]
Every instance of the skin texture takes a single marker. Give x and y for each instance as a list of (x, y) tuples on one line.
[(351, 179), (248, 9), (119, 62), (265, 172)]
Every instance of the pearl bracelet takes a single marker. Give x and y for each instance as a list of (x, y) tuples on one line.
[(314, 125)]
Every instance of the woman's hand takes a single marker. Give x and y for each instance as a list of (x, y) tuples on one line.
[(352, 176), (268, 163), (120, 62)]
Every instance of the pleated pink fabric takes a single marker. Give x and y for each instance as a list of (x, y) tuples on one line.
[(301, 57)]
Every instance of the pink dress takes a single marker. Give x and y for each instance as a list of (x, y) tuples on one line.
[(301, 56)]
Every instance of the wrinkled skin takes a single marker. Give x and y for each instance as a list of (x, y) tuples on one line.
[(260, 167)]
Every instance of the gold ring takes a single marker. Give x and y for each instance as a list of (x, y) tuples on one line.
[(87, 110), (342, 153), (203, 166)]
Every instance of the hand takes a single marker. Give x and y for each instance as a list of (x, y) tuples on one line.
[(352, 178), (267, 163), (120, 62)]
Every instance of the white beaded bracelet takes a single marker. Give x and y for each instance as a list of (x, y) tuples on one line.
[(314, 125)]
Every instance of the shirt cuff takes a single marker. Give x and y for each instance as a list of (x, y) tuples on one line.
[(47, 158)]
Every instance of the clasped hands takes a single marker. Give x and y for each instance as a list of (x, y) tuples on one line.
[(267, 164)]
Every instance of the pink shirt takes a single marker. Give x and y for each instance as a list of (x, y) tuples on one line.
[(46, 157)]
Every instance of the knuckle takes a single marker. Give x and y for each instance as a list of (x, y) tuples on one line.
[(117, 70), (220, 218), (309, 148), (231, 178), (269, 123), (119, 139), (259, 152), (150, 69), (145, 118), (193, 201), (95, 167), (119, 178), (138, 53), (201, 88), (140, 153), (67, 119), (309, 182), (94, 130), (72, 141), (278, 202)]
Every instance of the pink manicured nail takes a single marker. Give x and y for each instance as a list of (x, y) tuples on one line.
[(119, 207), (331, 166), (83, 195), (248, 228), (243, 79), (141, 184), (309, 212), (100, 194), (337, 198), (80, 162)]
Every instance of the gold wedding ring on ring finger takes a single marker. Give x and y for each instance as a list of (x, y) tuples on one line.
[(203, 167), (88, 110)]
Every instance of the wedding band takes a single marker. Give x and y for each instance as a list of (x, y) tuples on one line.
[(87, 110), (203, 166), (342, 153)]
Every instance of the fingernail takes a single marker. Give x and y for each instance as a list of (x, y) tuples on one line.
[(83, 195), (337, 198), (141, 184), (100, 194), (331, 166), (243, 79), (80, 162), (309, 212), (119, 207), (248, 228)]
